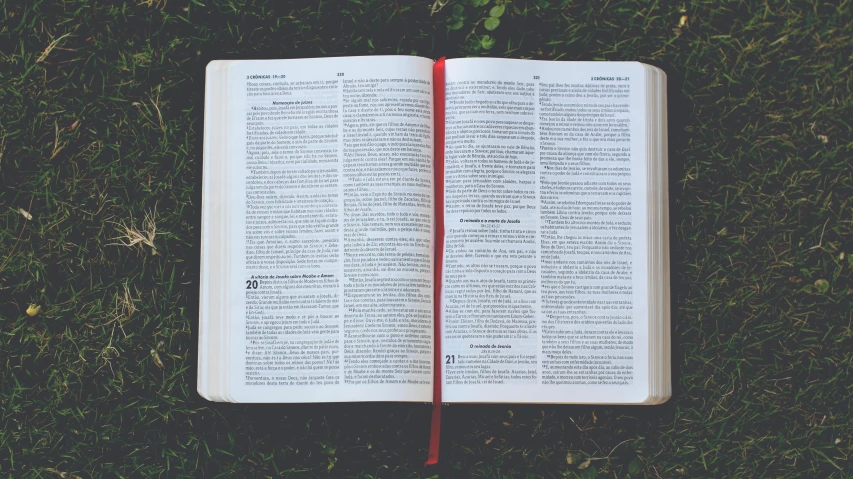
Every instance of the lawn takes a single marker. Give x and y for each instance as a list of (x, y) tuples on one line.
[(101, 125)]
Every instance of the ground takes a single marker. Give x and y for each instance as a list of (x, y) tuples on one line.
[(100, 136)]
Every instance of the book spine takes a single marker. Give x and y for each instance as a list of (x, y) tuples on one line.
[(438, 115)]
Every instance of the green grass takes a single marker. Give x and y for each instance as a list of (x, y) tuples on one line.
[(106, 126)]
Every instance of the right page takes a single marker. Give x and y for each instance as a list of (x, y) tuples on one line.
[(545, 294)]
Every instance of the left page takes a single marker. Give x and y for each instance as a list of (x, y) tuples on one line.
[(329, 203)]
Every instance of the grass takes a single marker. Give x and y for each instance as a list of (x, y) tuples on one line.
[(100, 136)]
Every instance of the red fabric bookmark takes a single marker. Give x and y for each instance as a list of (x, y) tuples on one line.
[(438, 95)]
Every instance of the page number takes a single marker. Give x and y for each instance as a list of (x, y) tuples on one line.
[(340, 74), (450, 359), (535, 77)]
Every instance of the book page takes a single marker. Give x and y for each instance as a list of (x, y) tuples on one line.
[(331, 229), (544, 284)]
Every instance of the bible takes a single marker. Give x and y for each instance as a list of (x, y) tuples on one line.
[(395, 228)]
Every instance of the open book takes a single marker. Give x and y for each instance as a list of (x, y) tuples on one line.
[(394, 228)]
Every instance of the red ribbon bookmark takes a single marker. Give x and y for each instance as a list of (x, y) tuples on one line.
[(438, 94)]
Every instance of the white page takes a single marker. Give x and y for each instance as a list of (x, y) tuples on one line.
[(544, 298), (331, 229)]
